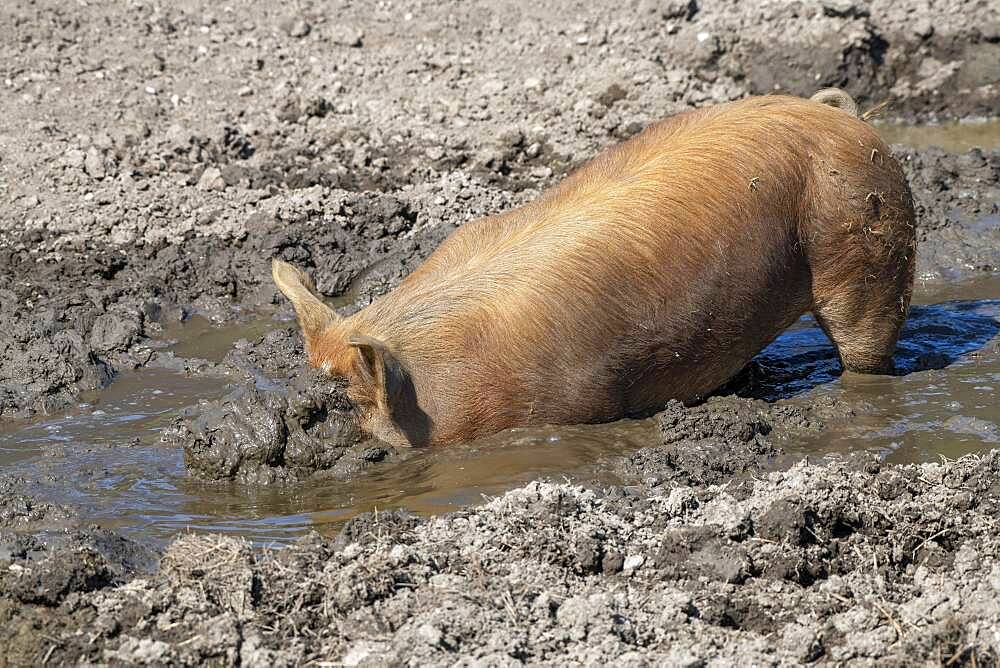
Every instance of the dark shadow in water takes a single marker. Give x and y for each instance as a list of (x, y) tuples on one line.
[(803, 357)]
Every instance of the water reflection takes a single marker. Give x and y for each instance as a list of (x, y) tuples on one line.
[(933, 337)]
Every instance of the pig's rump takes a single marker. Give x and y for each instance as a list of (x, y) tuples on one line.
[(659, 269)]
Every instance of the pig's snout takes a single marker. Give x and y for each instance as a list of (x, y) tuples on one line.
[(322, 409)]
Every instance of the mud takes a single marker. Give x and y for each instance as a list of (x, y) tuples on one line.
[(719, 543), (281, 422), (956, 199), (143, 191), (259, 435), (953, 137), (848, 561)]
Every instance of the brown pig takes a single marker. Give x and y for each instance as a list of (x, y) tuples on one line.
[(654, 272)]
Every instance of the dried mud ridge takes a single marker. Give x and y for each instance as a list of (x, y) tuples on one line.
[(707, 557)]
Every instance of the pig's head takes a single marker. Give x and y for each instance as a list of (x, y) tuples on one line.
[(378, 386)]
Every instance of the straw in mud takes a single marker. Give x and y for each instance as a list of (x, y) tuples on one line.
[(218, 566)]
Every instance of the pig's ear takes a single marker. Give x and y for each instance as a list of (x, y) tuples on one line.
[(379, 370), (314, 315)]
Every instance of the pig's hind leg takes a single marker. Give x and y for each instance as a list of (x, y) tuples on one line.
[(862, 277)]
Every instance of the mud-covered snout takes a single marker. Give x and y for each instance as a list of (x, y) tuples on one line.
[(324, 429), (319, 408)]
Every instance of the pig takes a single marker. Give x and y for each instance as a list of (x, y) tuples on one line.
[(654, 272)]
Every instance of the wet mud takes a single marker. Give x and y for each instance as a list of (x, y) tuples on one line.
[(849, 561), (159, 430), (953, 137)]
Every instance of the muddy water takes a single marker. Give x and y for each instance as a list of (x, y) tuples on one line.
[(946, 406), (105, 457), (199, 337), (952, 137)]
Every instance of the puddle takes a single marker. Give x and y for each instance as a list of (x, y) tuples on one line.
[(947, 410), (106, 460), (952, 137), (199, 337), (105, 457)]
